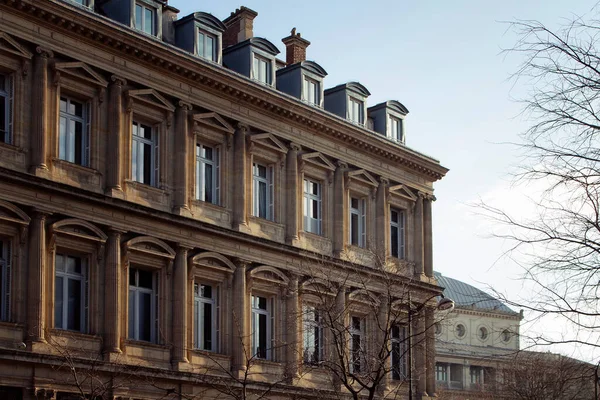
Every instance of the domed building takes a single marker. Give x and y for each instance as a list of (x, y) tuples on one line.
[(473, 341)]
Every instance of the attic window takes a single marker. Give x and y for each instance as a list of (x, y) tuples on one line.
[(311, 92), (207, 45), (145, 18), (261, 69), (356, 110), (396, 129)]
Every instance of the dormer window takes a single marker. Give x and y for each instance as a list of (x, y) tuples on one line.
[(207, 45), (261, 69), (311, 91), (85, 3), (145, 18), (396, 129), (356, 111)]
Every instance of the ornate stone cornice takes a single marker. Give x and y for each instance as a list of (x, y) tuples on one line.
[(96, 29)]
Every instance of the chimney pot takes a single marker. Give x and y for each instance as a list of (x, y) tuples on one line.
[(295, 48)]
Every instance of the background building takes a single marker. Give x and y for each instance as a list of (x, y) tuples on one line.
[(181, 211)]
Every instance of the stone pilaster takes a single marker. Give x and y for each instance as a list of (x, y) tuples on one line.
[(240, 341), (291, 194), (419, 251), (36, 278), (112, 284), (180, 294), (39, 116), (420, 377), (115, 148), (339, 210), (340, 330), (182, 156), (380, 331), (382, 222), (430, 352), (240, 177), (294, 312), (427, 236)]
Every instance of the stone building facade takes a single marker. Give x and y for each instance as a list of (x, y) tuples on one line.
[(170, 194)]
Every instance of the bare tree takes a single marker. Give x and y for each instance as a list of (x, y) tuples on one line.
[(546, 376), (360, 326), (559, 245)]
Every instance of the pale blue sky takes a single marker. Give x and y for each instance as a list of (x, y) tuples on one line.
[(442, 60)]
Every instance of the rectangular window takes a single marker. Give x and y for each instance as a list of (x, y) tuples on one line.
[(73, 141), (5, 276), (399, 352), (356, 111), (262, 326), (205, 317), (144, 154), (143, 305), (312, 333), (262, 191), (261, 68), (70, 293), (311, 91), (207, 174), (395, 129), (145, 19), (357, 222), (397, 233), (207, 46), (312, 206), (6, 108), (357, 343), (476, 375), (441, 372)]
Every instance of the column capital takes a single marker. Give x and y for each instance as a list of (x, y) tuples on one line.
[(341, 165), (183, 247), (184, 105), (241, 263), (44, 52), (115, 231), (38, 213), (295, 147), (242, 127), (384, 181), (118, 81)]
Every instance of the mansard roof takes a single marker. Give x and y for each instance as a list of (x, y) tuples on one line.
[(392, 105), (310, 66), (258, 42), (204, 18), (351, 86)]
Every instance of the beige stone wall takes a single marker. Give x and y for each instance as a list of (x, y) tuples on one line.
[(99, 213)]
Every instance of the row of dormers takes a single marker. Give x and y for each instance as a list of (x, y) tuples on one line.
[(231, 43)]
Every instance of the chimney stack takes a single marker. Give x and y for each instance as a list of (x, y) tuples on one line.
[(239, 26), (295, 48)]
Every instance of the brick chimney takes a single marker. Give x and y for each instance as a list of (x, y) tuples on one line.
[(239, 26), (295, 48)]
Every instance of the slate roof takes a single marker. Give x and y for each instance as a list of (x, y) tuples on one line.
[(467, 296)]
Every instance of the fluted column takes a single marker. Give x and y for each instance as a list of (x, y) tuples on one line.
[(39, 111), (291, 193), (339, 191), (427, 236), (293, 314), (240, 340), (420, 348), (112, 286), (37, 270), (381, 222), (419, 251), (182, 145), (115, 151), (180, 305), (430, 354), (239, 177)]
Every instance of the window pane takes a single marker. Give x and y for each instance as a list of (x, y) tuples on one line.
[(138, 16), (207, 152), (262, 336), (394, 239), (148, 26), (262, 200), (145, 279), (145, 316), (62, 139), (207, 326), (262, 303), (210, 48), (354, 229), (131, 311), (58, 302), (201, 44), (206, 291), (147, 166), (208, 183), (74, 305), (77, 146)]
